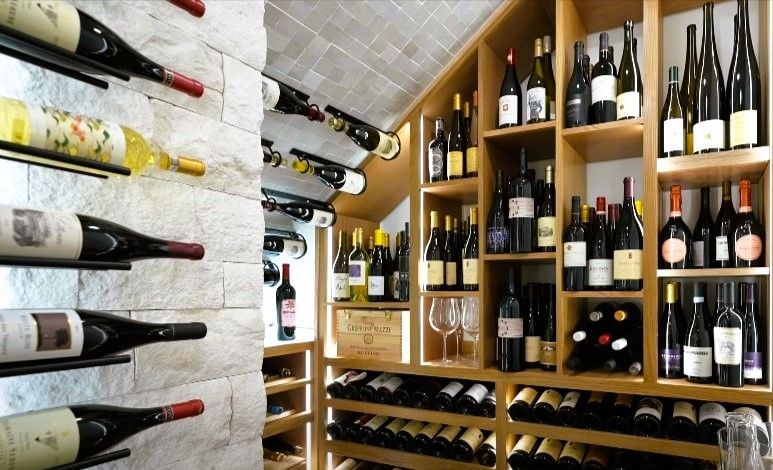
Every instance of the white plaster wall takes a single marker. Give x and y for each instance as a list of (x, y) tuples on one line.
[(226, 50)]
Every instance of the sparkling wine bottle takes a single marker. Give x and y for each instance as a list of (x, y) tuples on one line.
[(285, 306), (510, 113), (746, 243), (709, 105), (279, 98), (744, 91), (537, 96), (671, 333), (628, 243), (335, 176), (471, 152), (450, 257), (578, 91), (282, 242), (675, 236), (629, 86), (368, 137), (672, 118)]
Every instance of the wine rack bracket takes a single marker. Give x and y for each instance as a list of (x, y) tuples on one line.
[(64, 263), (49, 156), (301, 155), (96, 460), (53, 366), (273, 194), (56, 59)]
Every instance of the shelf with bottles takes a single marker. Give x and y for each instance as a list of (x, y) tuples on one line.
[(426, 368), (287, 462), (539, 134), (396, 457), (464, 191), (287, 450), (367, 305), (608, 141), (286, 421), (713, 273), (285, 384), (533, 257), (694, 171)]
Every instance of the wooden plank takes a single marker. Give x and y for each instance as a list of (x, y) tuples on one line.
[(603, 294), (395, 457), (285, 384), (287, 348), (464, 190), (285, 422), (537, 257), (540, 135), (712, 272), (290, 462), (607, 141), (374, 305), (694, 171)]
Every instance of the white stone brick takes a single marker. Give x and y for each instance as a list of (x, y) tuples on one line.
[(231, 226), (13, 183), (233, 345), (242, 285), (246, 455), (242, 105), (248, 406), (38, 288)]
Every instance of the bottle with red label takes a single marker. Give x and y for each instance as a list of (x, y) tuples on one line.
[(675, 236), (285, 306), (747, 243)]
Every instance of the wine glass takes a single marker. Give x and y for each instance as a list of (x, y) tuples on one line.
[(471, 323), (444, 318), (458, 333)]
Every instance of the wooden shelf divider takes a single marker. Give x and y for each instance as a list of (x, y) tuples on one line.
[(395, 457), (694, 171), (286, 421), (429, 416), (713, 272), (285, 384)]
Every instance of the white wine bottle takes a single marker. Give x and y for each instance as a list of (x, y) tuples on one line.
[(368, 137), (335, 176), (83, 137)]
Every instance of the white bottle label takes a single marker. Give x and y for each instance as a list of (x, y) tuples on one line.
[(450, 273), (470, 271), (570, 399), (728, 346), (521, 207), (508, 110), (452, 389), (392, 384), (39, 234), (535, 103), (39, 439), (477, 392), (651, 406), (697, 361), (375, 285), (341, 285), (293, 248), (321, 218), (546, 231), (575, 254), (673, 135), (436, 162), (357, 273), (54, 22), (599, 272), (533, 348), (685, 410), (698, 259), (708, 135), (510, 328), (743, 127), (354, 183), (288, 313), (628, 105), (434, 272), (712, 411), (723, 253), (29, 335), (387, 146), (271, 93), (603, 88)]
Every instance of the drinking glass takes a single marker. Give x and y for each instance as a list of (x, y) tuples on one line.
[(471, 323), (444, 319)]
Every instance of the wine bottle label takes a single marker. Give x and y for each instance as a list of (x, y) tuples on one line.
[(603, 88), (434, 272), (532, 349), (28, 335), (473, 437), (39, 234), (712, 411), (271, 93), (470, 271), (396, 425), (673, 134), (375, 285), (436, 163), (341, 285), (574, 451), (570, 400), (728, 346), (743, 128), (673, 250), (752, 365), (471, 156), (549, 446), (596, 396), (575, 254), (698, 260), (39, 439), (510, 328), (449, 433), (455, 163), (392, 384), (380, 380), (708, 135), (650, 406), (497, 238), (599, 272), (551, 398), (525, 444), (321, 218), (54, 22), (552, 110), (547, 353), (671, 358), (376, 422), (748, 247), (627, 265), (357, 273), (450, 273), (412, 428), (452, 389), (722, 251), (354, 182), (535, 103), (628, 105), (623, 399), (431, 429), (387, 147), (491, 440), (288, 313), (521, 207), (508, 110), (351, 376), (477, 392), (293, 248), (697, 361), (546, 231), (685, 410)]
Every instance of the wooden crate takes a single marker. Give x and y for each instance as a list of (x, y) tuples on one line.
[(370, 334)]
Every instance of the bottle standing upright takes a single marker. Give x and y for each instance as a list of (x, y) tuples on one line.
[(744, 91), (511, 347), (285, 306), (709, 106), (578, 91), (628, 243), (521, 209), (510, 101), (629, 86), (728, 341)]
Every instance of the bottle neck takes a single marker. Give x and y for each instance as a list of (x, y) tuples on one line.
[(708, 25)]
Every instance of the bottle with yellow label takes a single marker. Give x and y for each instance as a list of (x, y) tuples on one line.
[(471, 153), (455, 164), (628, 243)]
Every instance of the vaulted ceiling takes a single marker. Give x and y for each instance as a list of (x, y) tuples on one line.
[(369, 58)]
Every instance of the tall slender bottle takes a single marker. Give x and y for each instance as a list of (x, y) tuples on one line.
[(341, 270), (449, 257), (285, 306), (671, 333), (359, 269), (455, 156), (575, 250), (547, 58), (728, 341), (754, 339), (600, 251), (675, 236), (546, 218), (724, 229), (404, 263), (537, 98), (378, 270), (698, 353), (672, 132), (521, 205), (744, 91), (436, 153), (747, 239), (578, 91), (604, 85), (470, 255), (471, 153), (709, 106), (628, 243), (511, 347), (532, 334), (586, 69), (687, 89), (703, 234), (510, 113), (434, 268), (629, 86), (547, 357), (497, 231)]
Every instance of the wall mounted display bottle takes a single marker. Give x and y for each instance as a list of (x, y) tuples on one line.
[(333, 176), (386, 146), (675, 236), (282, 242), (279, 98)]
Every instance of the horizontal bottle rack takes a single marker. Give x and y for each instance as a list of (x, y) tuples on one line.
[(73, 163), (64, 263), (12, 370), (96, 460)]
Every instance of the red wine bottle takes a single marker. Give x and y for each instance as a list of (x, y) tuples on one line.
[(196, 8), (32, 233), (52, 334), (671, 333), (64, 26), (575, 250), (754, 339), (746, 242), (59, 436), (578, 91), (386, 146), (698, 353), (279, 98), (312, 214), (604, 85), (285, 306), (628, 243), (510, 113)]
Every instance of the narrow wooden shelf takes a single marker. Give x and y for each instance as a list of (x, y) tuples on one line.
[(454, 293), (603, 294), (608, 141), (520, 257), (464, 190), (374, 305), (450, 372), (711, 169), (396, 457), (539, 135), (286, 421), (290, 462), (285, 384), (748, 394), (622, 441), (429, 416), (289, 347), (714, 272)]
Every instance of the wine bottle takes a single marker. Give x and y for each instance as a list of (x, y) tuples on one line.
[(593, 413), (604, 85), (367, 434), (385, 391), (465, 446), (600, 252), (545, 408), (753, 352), (368, 137), (449, 257), (578, 91), (434, 267), (341, 292), (487, 452), (687, 89), (455, 155), (471, 153), (404, 438), (520, 408), (285, 306), (711, 418), (671, 333), (333, 176), (403, 264), (597, 458), (547, 453), (304, 212), (698, 353), (628, 243), (575, 250), (52, 234), (336, 428), (436, 153), (423, 396), (385, 437), (520, 456), (488, 405), (533, 333), (675, 236), (370, 247), (367, 392), (568, 410), (282, 242), (359, 270), (354, 429), (271, 275), (571, 456), (744, 91), (629, 85), (546, 216), (709, 105), (547, 58), (521, 209), (746, 243), (278, 444), (648, 418), (280, 98), (461, 238), (548, 353), (497, 233), (470, 401), (378, 270), (729, 342), (441, 443), (446, 397), (511, 346), (271, 373), (723, 229), (672, 134), (470, 255), (619, 418), (683, 425), (703, 245), (586, 69), (59, 436), (741, 306), (510, 113), (537, 96), (347, 385)]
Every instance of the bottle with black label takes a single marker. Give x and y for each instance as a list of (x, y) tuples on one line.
[(441, 443), (386, 436), (487, 452), (547, 453), (683, 425), (465, 446), (571, 456), (423, 396), (520, 456), (444, 400), (546, 407), (593, 412), (368, 391), (421, 443), (568, 411), (489, 405), (385, 391), (470, 401), (520, 408), (404, 438), (619, 419), (648, 419), (711, 418)]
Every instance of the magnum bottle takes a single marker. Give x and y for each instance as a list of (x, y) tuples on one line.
[(285, 306), (709, 105), (671, 333), (628, 243), (744, 91)]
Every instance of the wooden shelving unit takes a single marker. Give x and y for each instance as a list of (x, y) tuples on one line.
[(694, 171), (286, 421), (396, 457), (284, 385), (713, 272)]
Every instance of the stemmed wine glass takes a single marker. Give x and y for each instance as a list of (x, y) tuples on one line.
[(444, 318), (471, 322), (458, 333)]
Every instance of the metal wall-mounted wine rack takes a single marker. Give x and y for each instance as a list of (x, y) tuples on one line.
[(41, 156), (11, 370), (64, 263), (96, 460)]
